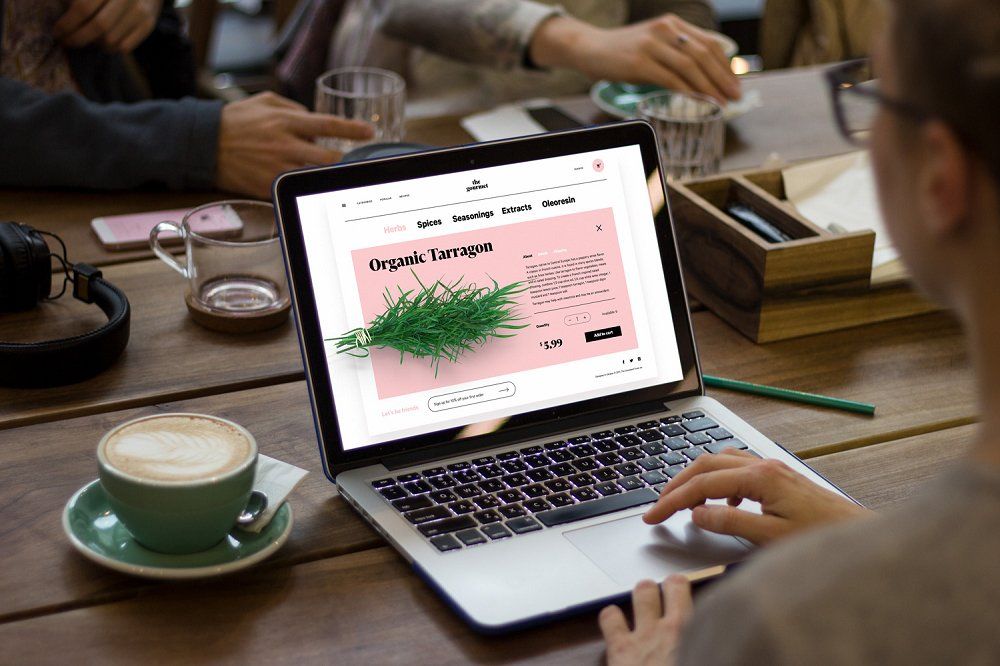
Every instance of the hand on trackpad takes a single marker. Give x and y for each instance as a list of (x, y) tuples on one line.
[(628, 550)]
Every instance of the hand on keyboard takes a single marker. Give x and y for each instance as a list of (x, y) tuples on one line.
[(789, 501)]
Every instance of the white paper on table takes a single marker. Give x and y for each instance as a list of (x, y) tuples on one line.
[(505, 122), (838, 193)]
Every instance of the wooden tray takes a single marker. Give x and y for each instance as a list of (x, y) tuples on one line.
[(818, 281)]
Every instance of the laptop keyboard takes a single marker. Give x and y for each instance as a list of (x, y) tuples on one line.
[(520, 491)]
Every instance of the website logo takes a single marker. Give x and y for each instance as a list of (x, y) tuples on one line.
[(476, 185)]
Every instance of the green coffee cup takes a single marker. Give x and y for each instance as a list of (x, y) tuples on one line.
[(177, 481)]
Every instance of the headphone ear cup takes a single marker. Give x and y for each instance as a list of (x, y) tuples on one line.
[(21, 261)]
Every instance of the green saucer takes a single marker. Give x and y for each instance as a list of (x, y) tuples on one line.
[(95, 531)]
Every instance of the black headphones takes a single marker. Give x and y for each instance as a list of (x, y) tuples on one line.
[(26, 279)]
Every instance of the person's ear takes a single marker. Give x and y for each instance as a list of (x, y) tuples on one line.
[(944, 184)]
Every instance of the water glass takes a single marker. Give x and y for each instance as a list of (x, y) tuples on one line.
[(691, 132), (375, 96)]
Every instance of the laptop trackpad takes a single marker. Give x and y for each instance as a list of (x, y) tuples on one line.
[(629, 550)]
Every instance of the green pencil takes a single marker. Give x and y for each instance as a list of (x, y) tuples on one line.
[(788, 394)]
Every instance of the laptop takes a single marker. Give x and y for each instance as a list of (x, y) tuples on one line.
[(502, 367)]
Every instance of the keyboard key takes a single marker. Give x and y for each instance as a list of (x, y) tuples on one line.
[(606, 446), (646, 425), (606, 489), (488, 516), (485, 460), (654, 477), (515, 480), (508, 455), (651, 436), (417, 487), (673, 458), (699, 424), (693, 415), (659, 488), (716, 447), (562, 469), (719, 434), (633, 453), (579, 439), (512, 511), (560, 456), (466, 476), (628, 469), (583, 450), (486, 502), (653, 448), (496, 531), (442, 482), (536, 461), (434, 471), (491, 486), (673, 430), (510, 496), (581, 480), (446, 542), (421, 516), (383, 483), (605, 474), (630, 483), (670, 419), (698, 438), (535, 490), (585, 494), (522, 525), (694, 452), (625, 430), (468, 537), (599, 507), (412, 503), (393, 493), (608, 458), (465, 506), (560, 499), (459, 466), (603, 434), (628, 440), (585, 464), (466, 491), (539, 475), (552, 446), (677, 443), (490, 471), (674, 470), (531, 450), (650, 463), (442, 496), (558, 485), (406, 478), (535, 505), (514, 466)]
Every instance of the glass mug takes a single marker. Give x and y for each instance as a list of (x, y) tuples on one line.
[(375, 96), (234, 285)]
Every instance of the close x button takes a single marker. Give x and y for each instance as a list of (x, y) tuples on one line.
[(603, 334)]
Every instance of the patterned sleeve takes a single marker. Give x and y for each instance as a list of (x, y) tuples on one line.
[(485, 32)]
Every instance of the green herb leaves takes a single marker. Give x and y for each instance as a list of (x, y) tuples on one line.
[(439, 321)]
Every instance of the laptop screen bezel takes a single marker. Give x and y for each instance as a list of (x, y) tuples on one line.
[(539, 423)]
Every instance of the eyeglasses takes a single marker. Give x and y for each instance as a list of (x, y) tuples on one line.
[(856, 98)]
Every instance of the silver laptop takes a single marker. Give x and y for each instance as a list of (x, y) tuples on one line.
[(502, 367)]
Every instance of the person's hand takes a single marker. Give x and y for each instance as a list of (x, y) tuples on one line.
[(665, 51), (789, 501), (658, 625), (263, 135), (117, 25)]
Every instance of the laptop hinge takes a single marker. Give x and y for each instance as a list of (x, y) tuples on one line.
[(549, 430)]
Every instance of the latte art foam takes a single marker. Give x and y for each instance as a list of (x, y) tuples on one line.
[(177, 448)]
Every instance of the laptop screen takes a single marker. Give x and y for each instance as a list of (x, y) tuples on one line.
[(457, 300)]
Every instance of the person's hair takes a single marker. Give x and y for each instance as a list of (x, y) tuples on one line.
[(948, 56)]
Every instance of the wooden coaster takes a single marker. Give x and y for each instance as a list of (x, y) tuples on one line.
[(233, 322)]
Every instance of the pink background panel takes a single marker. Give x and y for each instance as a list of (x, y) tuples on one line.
[(546, 239)]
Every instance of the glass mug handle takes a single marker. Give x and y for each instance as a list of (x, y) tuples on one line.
[(168, 259)]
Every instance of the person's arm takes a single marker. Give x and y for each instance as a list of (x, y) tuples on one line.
[(695, 12), (65, 140)]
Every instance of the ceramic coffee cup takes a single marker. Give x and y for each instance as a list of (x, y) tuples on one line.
[(177, 481)]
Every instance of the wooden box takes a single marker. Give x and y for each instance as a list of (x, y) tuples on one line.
[(818, 281)]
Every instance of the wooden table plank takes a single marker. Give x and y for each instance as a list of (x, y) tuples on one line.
[(369, 607), (168, 356)]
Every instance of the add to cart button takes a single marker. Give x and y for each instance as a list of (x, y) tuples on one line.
[(472, 396), (601, 334)]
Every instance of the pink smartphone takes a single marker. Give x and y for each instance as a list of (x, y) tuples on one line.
[(130, 232)]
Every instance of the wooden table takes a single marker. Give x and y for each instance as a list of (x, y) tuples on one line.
[(336, 593)]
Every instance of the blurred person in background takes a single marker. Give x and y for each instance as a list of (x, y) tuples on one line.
[(99, 94)]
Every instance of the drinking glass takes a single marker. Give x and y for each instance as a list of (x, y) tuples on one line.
[(375, 96), (691, 132)]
